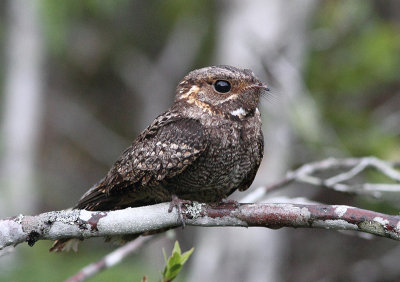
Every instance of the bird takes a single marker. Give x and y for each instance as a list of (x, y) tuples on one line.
[(207, 145)]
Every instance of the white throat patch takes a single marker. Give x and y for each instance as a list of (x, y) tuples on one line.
[(240, 112)]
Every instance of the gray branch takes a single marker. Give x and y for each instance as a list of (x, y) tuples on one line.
[(84, 224), (307, 173)]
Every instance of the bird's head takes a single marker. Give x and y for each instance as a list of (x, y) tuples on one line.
[(222, 90)]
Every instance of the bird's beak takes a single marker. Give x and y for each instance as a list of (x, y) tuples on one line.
[(261, 86)]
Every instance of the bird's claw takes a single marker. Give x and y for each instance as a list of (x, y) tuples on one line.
[(177, 203)]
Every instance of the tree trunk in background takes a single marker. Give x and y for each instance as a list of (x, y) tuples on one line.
[(255, 36), (22, 108)]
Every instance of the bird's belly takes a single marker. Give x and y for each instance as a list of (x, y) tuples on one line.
[(217, 173)]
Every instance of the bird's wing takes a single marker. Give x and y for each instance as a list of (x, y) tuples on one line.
[(166, 148)]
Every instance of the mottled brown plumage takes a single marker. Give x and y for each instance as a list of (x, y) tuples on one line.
[(206, 146)]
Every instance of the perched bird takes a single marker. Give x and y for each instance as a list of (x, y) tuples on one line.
[(208, 144)]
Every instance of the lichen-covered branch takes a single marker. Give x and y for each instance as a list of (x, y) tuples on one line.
[(84, 224)]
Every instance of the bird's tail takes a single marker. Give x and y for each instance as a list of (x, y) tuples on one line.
[(62, 245), (65, 245)]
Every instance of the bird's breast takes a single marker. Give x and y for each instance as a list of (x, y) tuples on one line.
[(232, 147)]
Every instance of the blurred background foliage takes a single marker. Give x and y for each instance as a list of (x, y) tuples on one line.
[(95, 50), (353, 73)]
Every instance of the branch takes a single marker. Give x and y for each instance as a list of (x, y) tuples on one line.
[(109, 260), (354, 166), (84, 224)]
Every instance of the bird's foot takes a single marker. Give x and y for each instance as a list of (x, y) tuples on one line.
[(177, 203)]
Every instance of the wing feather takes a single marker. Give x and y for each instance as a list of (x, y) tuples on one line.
[(165, 149)]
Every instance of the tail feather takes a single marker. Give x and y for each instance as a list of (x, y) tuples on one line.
[(65, 245), (97, 198)]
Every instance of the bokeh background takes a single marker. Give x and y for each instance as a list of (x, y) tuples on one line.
[(79, 80)]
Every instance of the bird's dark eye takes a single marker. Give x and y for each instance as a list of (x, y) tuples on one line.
[(222, 86)]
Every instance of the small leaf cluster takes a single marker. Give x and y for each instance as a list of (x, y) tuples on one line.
[(175, 262)]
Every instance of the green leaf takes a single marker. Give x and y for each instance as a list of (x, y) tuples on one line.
[(174, 259), (177, 248), (186, 255), (175, 262)]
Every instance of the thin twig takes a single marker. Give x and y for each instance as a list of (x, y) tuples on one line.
[(109, 260), (354, 166)]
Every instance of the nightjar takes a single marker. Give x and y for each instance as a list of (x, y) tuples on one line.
[(208, 144)]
